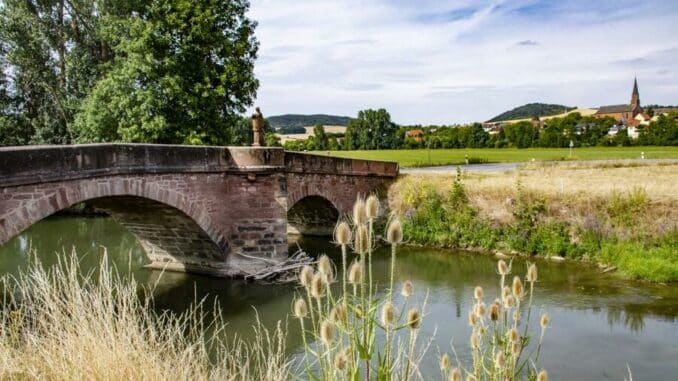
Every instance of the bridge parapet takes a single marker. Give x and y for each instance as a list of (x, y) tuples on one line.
[(309, 163), (38, 164)]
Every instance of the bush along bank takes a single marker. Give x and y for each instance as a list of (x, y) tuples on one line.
[(618, 231)]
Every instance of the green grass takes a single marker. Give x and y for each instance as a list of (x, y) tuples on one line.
[(420, 157), (635, 260)]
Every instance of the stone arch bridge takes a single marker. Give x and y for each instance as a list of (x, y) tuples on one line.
[(215, 210)]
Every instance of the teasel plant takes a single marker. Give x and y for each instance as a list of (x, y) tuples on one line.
[(340, 329), (499, 349)]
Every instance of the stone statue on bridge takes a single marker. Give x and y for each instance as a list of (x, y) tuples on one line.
[(258, 128)]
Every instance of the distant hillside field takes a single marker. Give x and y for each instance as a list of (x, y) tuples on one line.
[(297, 120), (531, 110), (309, 132)]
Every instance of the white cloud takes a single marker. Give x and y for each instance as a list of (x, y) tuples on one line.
[(442, 62)]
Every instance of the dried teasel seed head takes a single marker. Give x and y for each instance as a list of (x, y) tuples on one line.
[(325, 265), (318, 285), (408, 289), (532, 273), (480, 309), (517, 288), (339, 314), (359, 212), (300, 308), (388, 314), (342, 234), (478, 293), (505, 292), (362, 240), (472, 319), (475, 341), (513, 335), (355, 273), (372, 207), (471, 377), (444, 361), (495, 310), (502, 267), (455, 374), (306, 275), (500, 360), (394, 234), (413, 319), (340, 361), (545, 320), (509, 302), (542, 375), (327, 332), (515, 349)]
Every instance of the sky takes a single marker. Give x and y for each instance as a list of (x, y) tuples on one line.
[(446, 62)]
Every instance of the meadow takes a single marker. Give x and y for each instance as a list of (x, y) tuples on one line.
[(423, 157)]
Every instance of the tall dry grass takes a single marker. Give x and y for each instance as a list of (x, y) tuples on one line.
[(57, 324)]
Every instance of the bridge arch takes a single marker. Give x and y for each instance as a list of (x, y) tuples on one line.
[(312, 215)]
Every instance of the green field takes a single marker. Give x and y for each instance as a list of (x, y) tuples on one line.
[(423, 157)]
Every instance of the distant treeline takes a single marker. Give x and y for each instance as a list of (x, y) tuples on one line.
[(373, 129), (289, 122)]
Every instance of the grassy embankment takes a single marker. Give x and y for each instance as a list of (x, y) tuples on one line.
[(420, 157), (622, 216)]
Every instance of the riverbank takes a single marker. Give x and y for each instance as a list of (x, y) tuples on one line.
[(624, 217)]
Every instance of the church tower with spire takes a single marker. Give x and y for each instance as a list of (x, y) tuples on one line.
[(635, 97)]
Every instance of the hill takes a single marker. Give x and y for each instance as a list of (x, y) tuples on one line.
[(531, 110), (296, 120)]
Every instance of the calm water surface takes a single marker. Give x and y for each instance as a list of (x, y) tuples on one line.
[(599, 322)]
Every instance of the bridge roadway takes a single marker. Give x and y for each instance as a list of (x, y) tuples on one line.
[(210, 210)]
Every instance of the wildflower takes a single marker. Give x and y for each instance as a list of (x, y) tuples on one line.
[(444, 361), (318, 286), (480, 309), (513, 335), (532, 273), (362, 239), (542, 376), (408, 289), (509, 302), (300, 308), (340, 361), (545, 320), (499, 360), (505, 292), (339, 314), (502, 267), (413, 319), (359, 212), (455, 375), (494, 311), (325, 268), (372, 207), (327, 332), (475, 341), (355, 273), (478, 293), (394, 234), (306, 275), (518, 290), (387, 314), (472, 319), (342, 234)]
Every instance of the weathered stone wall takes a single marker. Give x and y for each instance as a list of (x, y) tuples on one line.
[(240, 213)]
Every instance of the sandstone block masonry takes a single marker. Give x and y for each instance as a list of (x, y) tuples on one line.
[(212, 210)]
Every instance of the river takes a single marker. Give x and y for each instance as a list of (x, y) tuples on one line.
[(600, 323)]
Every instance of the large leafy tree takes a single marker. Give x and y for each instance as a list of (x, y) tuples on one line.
[(372, 129), (182, 73)]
